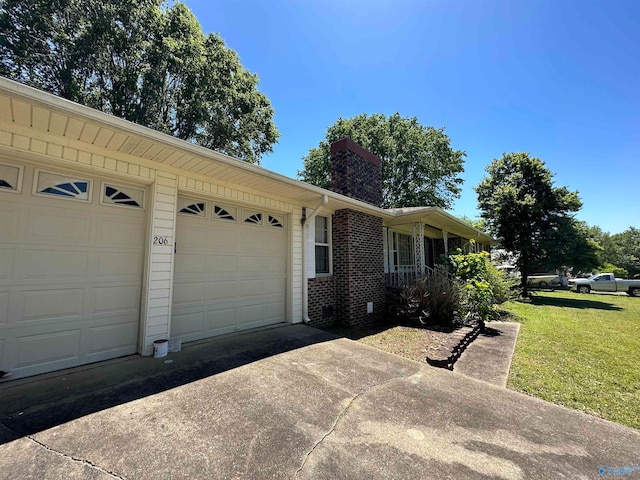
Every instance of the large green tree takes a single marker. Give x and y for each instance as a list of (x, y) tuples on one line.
[(419, 167), (625, 251), (143, 61), (527, 213)]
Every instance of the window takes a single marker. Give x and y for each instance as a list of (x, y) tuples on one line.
[(62, 186), (323, 235), (276, 221), (190, 206), (221, 212), (253, 218), (405, 250), (10, 178), (128, 197)]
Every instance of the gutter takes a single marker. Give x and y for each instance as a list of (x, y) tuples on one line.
[(305, 278)]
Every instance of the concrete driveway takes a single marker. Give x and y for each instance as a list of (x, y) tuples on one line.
[(293, 402)]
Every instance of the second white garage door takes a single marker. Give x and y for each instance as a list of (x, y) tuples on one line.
[(230, 269)]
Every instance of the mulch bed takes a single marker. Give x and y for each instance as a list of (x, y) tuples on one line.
[(434, 344)]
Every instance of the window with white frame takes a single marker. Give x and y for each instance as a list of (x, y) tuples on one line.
[(322, 245), (405, 250), (399, 252)]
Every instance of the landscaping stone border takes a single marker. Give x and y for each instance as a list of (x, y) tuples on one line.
[(447, 357)]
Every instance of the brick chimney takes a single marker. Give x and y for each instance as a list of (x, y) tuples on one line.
[(356, 172), (358, 266)]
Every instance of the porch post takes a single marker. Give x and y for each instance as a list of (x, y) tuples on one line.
[(418, 247), (445, 239)]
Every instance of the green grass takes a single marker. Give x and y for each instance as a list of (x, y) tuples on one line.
[(580, 351)]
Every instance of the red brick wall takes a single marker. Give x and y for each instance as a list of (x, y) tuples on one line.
[(322, 301), (358, 267)]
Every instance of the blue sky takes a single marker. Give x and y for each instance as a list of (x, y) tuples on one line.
[(559, 79)]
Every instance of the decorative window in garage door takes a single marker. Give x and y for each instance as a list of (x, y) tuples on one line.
[(10, 178), (254, 218), (189, 206), (62, 186), (124, 196), (222, 212), (276, 221)]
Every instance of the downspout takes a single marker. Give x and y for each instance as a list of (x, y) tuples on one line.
[(305, 278)]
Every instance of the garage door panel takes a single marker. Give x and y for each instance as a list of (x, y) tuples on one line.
[(104, 338), (10, 220), (55, 226), (250, 313), (274, 245), (188, 293), (54, 264), (274, 265), (251, 264), (187, 324), (48, 347), (189, 264), (274, 286), (70, 280), (225, 240), (221, 318), (251, 287), (222, 290), (119, 264), (119, 230), (245, 286), (222, 264), (116, 298), (274, 310), (6, 263), (4, 307), (197, 241), (253, 240), (47, 304)]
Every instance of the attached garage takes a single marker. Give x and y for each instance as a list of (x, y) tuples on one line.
[(71, 267), (230, 268)]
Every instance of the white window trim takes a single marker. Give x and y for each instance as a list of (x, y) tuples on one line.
[(20, 168), (328, 245), (36, 180), (188, 201), (393, 251), (118, 185)]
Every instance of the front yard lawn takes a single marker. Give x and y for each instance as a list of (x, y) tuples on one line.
[(581, 351)]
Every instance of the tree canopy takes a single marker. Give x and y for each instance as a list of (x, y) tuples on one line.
[(529, 215), (419, 167), (620, 252), (143, 61)]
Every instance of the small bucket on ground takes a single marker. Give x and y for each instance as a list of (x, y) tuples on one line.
[(160, 348)]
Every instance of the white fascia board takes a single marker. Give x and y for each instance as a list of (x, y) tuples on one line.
[(48, 101)]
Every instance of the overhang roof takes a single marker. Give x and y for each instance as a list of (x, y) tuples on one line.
[(46, 113), (437, 217)]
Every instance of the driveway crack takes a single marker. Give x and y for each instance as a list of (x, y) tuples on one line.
[(64, 455), (341, 415)]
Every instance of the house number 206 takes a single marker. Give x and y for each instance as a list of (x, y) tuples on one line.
[(160, 240)]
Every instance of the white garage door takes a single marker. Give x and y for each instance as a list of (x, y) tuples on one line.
[(71, 259), (230, 269)]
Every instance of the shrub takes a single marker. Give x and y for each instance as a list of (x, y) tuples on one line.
[(431, 300), (484, 285)]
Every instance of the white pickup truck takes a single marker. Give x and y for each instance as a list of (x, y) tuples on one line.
[(606, 282)]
